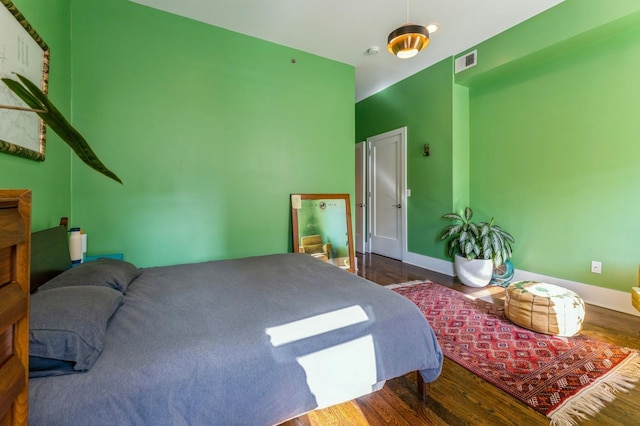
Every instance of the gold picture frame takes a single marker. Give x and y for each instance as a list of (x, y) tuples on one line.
[(322, 228), (24, 52)]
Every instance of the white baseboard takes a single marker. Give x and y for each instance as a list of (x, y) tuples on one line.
[(599, 296), (431, 263), (604, 297)]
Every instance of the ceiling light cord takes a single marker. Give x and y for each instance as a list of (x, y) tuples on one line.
[(407, 20)]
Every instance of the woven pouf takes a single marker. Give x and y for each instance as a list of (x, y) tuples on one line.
[(545, 308)]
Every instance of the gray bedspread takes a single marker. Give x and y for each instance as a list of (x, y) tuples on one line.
[(190, 345)]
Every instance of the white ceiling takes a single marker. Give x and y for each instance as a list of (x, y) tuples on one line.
[(343, 30)]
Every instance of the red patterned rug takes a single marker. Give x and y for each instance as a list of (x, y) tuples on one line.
[(562, 378)]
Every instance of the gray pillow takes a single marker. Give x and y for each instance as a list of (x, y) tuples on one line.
[(113, 273), (69, 323)]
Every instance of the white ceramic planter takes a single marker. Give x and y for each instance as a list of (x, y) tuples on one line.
[(474, 273)]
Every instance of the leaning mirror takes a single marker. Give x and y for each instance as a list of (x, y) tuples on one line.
[(322, 228)]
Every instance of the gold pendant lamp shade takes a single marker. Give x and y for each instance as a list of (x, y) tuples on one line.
[(408, 40)]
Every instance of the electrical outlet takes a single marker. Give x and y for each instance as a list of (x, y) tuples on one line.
[(596, 267)]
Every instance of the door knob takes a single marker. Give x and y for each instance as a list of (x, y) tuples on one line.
[(397, 205)]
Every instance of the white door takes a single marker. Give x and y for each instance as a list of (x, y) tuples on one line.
[(387, 182), (361, 182)]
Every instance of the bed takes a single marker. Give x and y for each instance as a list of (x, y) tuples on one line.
[(253, 341)]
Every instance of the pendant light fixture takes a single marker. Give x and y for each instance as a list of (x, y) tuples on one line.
[(406, 41)]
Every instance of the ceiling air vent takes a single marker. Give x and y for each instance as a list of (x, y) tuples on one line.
[(467, 61)]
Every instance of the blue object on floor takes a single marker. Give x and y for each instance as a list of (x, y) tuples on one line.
[(502, 274)]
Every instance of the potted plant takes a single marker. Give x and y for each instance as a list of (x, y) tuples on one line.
[(476, 247)]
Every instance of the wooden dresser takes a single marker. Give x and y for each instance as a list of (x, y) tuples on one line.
[(15, 239)]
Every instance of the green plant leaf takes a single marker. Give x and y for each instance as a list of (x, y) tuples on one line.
[(474, 229), (486, 246), (449, 231), (451, 247), (506, 235), (468, 213), (496, 241), (34, 97), (469, 250), (454, 216)]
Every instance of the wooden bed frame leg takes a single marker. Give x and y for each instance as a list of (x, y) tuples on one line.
[(422, 386)]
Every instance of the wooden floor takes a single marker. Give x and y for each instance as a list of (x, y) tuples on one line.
[(458, 397)]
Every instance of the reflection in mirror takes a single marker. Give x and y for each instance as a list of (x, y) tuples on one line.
[(322, 228)]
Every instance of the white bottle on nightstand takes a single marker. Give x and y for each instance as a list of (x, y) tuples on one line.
[(75, 246)]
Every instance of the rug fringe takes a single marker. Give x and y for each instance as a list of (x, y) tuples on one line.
[(590, 401), (407, 284)]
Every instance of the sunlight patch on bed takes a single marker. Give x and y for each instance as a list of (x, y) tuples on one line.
[(315, 325), (341, 372)]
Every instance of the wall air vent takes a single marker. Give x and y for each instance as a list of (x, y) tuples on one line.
[(467, 61)]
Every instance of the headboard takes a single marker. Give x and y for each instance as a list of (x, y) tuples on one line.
[(49, 254)]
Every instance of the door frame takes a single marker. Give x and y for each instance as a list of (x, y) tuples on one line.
[(402, 132), (361, 212)]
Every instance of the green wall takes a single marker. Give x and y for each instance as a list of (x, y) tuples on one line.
[(559, 168), (423, 103), (209, 130), (543, 136), (49, 180)]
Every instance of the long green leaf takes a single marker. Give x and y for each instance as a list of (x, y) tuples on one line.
[(23, 94), (67, 132), (34, 97)]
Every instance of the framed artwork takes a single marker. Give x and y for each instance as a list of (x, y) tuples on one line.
[(322, 228), (22, 51)]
